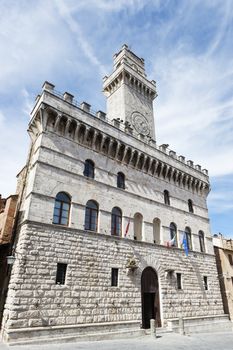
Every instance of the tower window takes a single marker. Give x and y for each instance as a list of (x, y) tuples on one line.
[(61, 209), (178, 281), (166, 197), (121, 180), (114, 277), (61, 273), (190, 206), (91, 216), (205, 279), (89, 169), (116, 222)]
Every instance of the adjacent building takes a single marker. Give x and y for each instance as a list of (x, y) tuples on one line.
[(103, 213), (223, 249), (7, 219)]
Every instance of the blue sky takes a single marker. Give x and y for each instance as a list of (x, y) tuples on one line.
[(188, 50)]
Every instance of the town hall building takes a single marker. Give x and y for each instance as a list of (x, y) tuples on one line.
[(103, 213)]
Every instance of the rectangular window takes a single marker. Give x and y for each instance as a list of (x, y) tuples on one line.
[(205, 282), (61, 273), (114, 277), (230, 259), (178, 281)]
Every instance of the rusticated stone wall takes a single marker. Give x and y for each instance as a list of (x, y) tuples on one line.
[(34, 299)]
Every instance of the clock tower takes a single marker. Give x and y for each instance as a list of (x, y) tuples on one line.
[(130, 94)]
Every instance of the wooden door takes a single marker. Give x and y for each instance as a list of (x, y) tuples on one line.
[(150, 297)]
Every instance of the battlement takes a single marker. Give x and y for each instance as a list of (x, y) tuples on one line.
[(119, 124), (125, 55)]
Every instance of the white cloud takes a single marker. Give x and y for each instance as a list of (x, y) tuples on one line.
[(27, 102), (14, 143), (220, 200), (30, 43), (2, 118), (194, 111), (74, 27), (111, 5)]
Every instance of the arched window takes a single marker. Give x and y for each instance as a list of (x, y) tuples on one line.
[(91, 216), (89, 169), (138, 219), (173, 233), (188, 238), (190, 205), (116, 222), (166, 197), (121, 180), (156, 230), (201, 241), (61, 209)]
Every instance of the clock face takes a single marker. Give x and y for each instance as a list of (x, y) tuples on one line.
[(140, 123)]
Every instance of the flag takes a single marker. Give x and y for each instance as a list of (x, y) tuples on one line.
[(172, 242), (127, 228), (185, 244)]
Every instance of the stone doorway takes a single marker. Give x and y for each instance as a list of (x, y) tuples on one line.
[(150, 297)]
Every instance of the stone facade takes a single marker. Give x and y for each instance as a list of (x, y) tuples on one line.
[(64, 135), (223, 248)]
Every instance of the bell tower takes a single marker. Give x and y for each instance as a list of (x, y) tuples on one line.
[(130, 94)]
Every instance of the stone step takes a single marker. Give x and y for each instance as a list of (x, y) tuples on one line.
[(13, 335), (218, 323), (122, 334), (209, 327)]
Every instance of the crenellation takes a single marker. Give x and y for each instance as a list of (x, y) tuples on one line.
[(117, 123), (85, 107), (48, 86), (68, 97), (172, 154), (198, 167), (101, 115), (190, 163)]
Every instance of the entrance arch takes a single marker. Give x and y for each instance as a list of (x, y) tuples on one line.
[(150, 297)]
